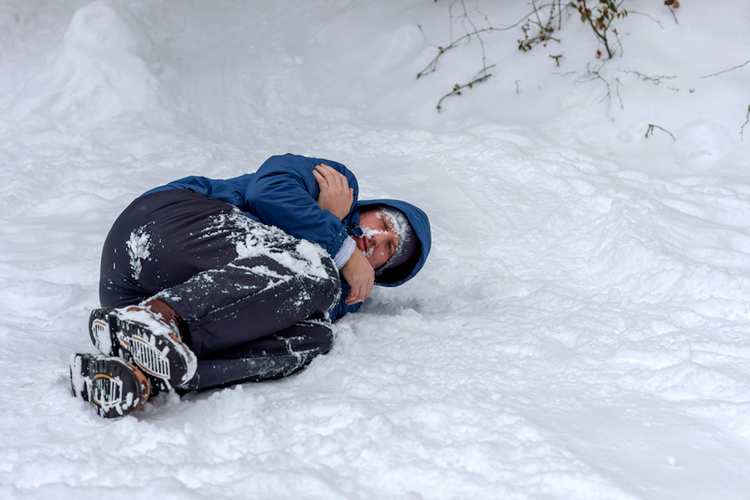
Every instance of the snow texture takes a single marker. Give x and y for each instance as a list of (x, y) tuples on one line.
[(256, 240), (580, 331), (138, 246)]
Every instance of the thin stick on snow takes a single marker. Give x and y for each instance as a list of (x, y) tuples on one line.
[(457, 88), (594, 75), (617, 91), (631, 12), (673, 14), (727, 70), (430, 68), (481, 44), (651, 128), (747, 119), (656, 79)]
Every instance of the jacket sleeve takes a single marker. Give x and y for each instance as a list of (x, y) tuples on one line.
[(341, 309), (284, 193)]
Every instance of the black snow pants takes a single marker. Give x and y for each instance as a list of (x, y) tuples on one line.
[(252, 297)]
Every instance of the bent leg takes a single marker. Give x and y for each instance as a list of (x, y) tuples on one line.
[(232, 279), (246, 300), (273, 356)]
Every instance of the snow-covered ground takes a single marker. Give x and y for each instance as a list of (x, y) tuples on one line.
[(581, 329)]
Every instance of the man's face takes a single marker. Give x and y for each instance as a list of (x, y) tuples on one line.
[(380, 240)]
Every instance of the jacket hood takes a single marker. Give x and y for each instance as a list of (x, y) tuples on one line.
[(421, 225)]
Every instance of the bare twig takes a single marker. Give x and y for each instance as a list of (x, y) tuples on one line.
[(742, 129), (483, 73), (594, 75), (727, 70), (557, 59), (481, 42), (457, 89), (656, 79), (619, 43), (650, 131), (545, 29), (538, 21), (432, 66), (673, 14), (617, 91), (650, 17)]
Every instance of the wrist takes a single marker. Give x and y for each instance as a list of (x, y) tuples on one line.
[(345, 252)]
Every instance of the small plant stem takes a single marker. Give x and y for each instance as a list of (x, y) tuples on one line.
[(601, 36), (650, 131), (727, 70)]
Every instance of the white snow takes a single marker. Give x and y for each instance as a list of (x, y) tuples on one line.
[(580, 331), (139, 248), (256, 240)]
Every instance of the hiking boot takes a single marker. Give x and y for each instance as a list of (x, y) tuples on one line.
[(141, 337), (114, 387)]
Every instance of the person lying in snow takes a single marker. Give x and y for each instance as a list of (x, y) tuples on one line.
[(207, 283)]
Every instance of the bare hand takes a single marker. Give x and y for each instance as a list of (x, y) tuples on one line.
[(335, 194), (360, 275)]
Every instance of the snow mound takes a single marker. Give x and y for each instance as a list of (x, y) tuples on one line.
[(100, 70), (702, 145)]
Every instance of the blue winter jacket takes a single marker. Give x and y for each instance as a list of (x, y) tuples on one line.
[(284, 192)]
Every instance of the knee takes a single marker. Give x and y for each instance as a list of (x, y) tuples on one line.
[(322, 277), (314, 336), (333, 279), (329, 287)]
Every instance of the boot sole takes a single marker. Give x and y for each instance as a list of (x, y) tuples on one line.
[(161, 356), (114, 387)]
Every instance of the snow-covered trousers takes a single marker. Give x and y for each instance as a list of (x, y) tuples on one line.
[(253, 299)]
